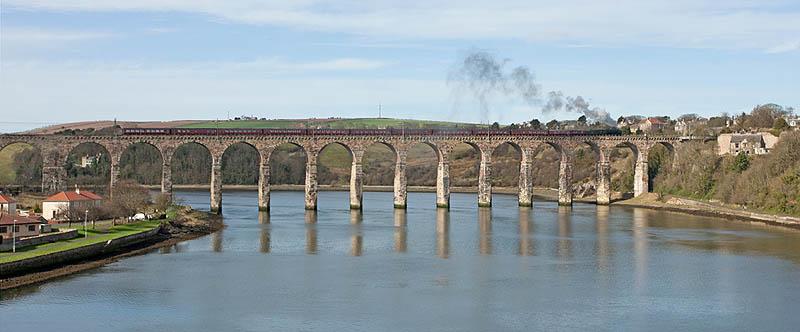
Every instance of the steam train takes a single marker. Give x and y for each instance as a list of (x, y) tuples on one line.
[(360, 132)]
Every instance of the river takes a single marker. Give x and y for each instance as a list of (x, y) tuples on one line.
[(582, 268)]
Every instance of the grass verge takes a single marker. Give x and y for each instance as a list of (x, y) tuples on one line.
[(92, 237)]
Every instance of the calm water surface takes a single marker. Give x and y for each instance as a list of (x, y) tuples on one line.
[(507, 268)]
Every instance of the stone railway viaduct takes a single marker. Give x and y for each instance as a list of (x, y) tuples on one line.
[(56, 148)]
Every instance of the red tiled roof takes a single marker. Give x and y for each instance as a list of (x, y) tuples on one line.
[(6, 199), (71, 196), (656, 120), (7, 219)]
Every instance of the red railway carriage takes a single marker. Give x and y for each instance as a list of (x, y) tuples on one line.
[(194, 131), (241, 131), (145, 131)]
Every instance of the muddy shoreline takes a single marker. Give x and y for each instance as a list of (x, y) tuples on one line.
[(171, 233)]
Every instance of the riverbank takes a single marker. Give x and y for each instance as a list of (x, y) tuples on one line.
[(694, 207), (187, 224)]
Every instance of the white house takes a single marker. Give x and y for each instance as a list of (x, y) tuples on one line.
[(56, 206), (8, 204)]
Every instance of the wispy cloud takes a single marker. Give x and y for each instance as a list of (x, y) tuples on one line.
[(39, 35), (785, 47), (683, 23)]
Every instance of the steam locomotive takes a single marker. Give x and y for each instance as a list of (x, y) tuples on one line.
[(360, 132)]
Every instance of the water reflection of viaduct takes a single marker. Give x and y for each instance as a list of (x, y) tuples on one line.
[(55, 150)]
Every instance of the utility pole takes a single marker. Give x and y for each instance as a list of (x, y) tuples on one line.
[(379, 110)]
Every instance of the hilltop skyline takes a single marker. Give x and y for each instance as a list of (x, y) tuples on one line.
[(71, 60)]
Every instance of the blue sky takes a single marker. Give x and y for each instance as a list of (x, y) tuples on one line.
[(72, 60)]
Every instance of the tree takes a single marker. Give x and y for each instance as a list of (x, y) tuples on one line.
[(620, 119), (495, 125), (129, 199), (553, 124), (780, 124), (536, 124), (582, 120), (741, 163)]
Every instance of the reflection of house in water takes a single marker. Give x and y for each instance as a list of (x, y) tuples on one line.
[(758, 143)]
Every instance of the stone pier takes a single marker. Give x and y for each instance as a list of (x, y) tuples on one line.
[(263, 185), (400, 184), (53, 179), (311, 180), (640, 179), (485, 178), (216, 185), (603, 171), (443, 183), (166, 179), (356, 180), (525, 178), (565, 180)]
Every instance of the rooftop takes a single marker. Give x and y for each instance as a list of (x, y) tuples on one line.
[(5, 199)]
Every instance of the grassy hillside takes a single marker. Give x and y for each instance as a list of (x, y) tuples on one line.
[(335, 123), (7, 172)]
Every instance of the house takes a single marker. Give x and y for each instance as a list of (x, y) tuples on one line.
[(757, 143), (687, 126), (652, 124), (57, 206), (19, 226), (88, 160), (793, 121), (7, 204)]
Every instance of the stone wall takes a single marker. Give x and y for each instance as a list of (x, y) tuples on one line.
[(76, 254), (39, 239)]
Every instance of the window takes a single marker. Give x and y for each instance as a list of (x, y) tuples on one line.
[(3, 229), (16, 228), (31, 228)]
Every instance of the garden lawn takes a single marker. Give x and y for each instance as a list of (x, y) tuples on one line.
[(94, 236)]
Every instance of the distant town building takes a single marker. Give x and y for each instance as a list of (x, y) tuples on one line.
[(757, 143), (57, 206), (7, 204), (793, 121), (652, 124), (88, 160), (19, 226), (687, 126)]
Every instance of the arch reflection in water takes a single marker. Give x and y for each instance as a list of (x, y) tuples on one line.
[(311, 232), (263, 220), (400, 231), (442, 232), (356, 239), (525, 229), (485, 230), (216, 241), (564, 247)]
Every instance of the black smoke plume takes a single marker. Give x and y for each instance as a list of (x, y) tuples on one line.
[(557, 102), (483, 76)]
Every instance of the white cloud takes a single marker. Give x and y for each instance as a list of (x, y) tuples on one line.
[(785, 47), (677, 23)]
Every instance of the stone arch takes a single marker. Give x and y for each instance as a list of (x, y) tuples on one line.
[(150, 167), (253, 166), (99, 175), (280, 172), (660, 157), (380, 162), (456, 155), (332, 164), (31, 174), (506, 167), (179, 163)]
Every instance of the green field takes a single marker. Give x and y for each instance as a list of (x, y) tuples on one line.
[(94, 236), (7, 174), (363, 123)]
